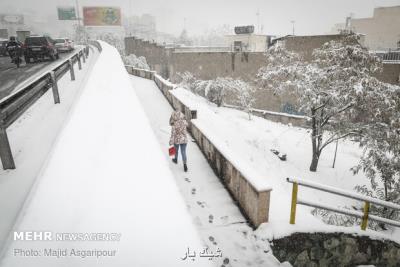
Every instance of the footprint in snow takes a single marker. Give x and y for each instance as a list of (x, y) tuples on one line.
[(210, 218), (187, 180), (245, 233), (224, 219), (193, 191), (201, 204), (212, 239)]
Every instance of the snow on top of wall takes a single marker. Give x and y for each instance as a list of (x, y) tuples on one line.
[(257, 180), (107, 174), (167, 82)]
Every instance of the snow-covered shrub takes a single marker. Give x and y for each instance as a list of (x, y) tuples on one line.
[(187, 81), (325, 87), (243, 94), (217, 89), (137, 62), (333, 218)]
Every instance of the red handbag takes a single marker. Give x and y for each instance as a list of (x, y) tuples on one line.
[(171, 151)]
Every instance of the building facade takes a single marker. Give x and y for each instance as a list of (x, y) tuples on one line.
[(382, 30), (247, 42)]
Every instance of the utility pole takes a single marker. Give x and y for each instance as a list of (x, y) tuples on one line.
[(80, 27), (258, 20), (77, 12), (130, 18), (292, 21)]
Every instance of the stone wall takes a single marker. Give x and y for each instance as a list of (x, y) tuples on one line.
[(335, 249), (254, 202)]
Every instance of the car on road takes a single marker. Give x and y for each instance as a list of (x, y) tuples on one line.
[(39, 47), (3, 47), (64, 44)]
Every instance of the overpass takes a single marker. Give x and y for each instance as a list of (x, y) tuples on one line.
[(106, 172)]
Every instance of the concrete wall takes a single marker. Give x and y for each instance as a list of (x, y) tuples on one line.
[(214, 64), (253, 203), (250, 42), (306, 44), (382, 30), (390, 73), (210, 65)]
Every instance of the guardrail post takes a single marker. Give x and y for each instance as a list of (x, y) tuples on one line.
[(79, 62), (294, 203), (5, 150), (71, 70), (83, 56), (364, 223), (54, 86)]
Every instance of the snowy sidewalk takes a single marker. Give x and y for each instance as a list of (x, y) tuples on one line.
[(220, 222)]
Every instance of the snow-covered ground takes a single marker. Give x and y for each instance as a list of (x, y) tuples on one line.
[(31, 138), (107, 174), (218, 218), (251, 142)]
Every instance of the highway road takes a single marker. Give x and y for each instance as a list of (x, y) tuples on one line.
[(11, 76)]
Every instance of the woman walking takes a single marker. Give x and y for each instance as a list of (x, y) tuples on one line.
[(179, 136)]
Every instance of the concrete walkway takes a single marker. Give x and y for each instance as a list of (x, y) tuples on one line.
[(220, 223)]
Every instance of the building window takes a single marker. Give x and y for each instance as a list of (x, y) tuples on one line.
[(237, 46)]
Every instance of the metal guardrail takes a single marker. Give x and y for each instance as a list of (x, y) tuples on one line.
[(96, 44), (365, 216), (15, 104)]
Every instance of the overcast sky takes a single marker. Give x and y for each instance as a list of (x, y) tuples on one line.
[(310, 16)]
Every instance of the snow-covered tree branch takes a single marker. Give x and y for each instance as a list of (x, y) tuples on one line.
[(379, 109), (325, 86)]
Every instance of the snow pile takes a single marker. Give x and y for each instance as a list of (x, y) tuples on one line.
[(107, 174)]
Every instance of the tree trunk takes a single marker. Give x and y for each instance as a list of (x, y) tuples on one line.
[(315, 149), (334, 158), (314, 162)]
